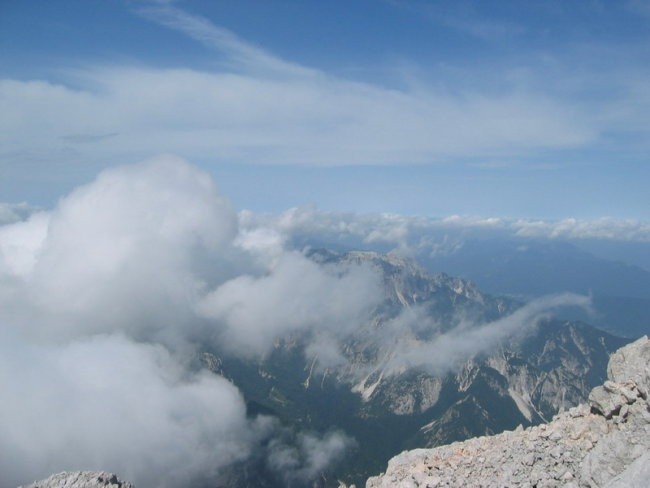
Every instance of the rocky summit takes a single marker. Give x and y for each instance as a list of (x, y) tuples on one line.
[(602, 444), (81, 479)]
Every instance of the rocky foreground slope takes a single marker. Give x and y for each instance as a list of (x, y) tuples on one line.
[(605, 443), (81, 479)]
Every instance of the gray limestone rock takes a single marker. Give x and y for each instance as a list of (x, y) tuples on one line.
[(632, 364), (606, 446), (81, 479), (604, 402), (637, 474), (610, 398)]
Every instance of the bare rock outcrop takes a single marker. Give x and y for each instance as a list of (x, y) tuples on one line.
[(81, 479), (603, 444)]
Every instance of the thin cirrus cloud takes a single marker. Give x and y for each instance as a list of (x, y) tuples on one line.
[(241, 118), (259, 108), (239, 53)]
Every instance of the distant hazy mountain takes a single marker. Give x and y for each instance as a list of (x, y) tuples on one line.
[(387, 406), (533, 267), (528, 268)]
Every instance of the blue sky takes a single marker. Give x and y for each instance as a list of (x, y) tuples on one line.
[(505, 108)]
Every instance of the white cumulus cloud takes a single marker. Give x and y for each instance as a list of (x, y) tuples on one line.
[(98, 320), (108, 403)]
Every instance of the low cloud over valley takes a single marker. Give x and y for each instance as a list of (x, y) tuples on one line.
[(106, 299)]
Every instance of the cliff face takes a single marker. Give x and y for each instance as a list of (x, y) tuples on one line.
[(605, 443)]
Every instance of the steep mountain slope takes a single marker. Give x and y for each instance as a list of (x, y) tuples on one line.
[(386, 403), (604, 444)]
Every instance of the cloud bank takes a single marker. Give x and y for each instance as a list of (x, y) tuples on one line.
[(106, 299), (307, 456), (14, 212), (411, 235), (100, 302), (297, 295), (107, 402)]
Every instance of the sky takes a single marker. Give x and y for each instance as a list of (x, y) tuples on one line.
[(495, 109)]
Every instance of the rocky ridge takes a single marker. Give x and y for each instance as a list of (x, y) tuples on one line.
[(81, 479), (549, 367), (602, 444)]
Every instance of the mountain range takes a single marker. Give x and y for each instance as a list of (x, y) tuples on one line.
[(602, 443), (528, 268), (385, 402)]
